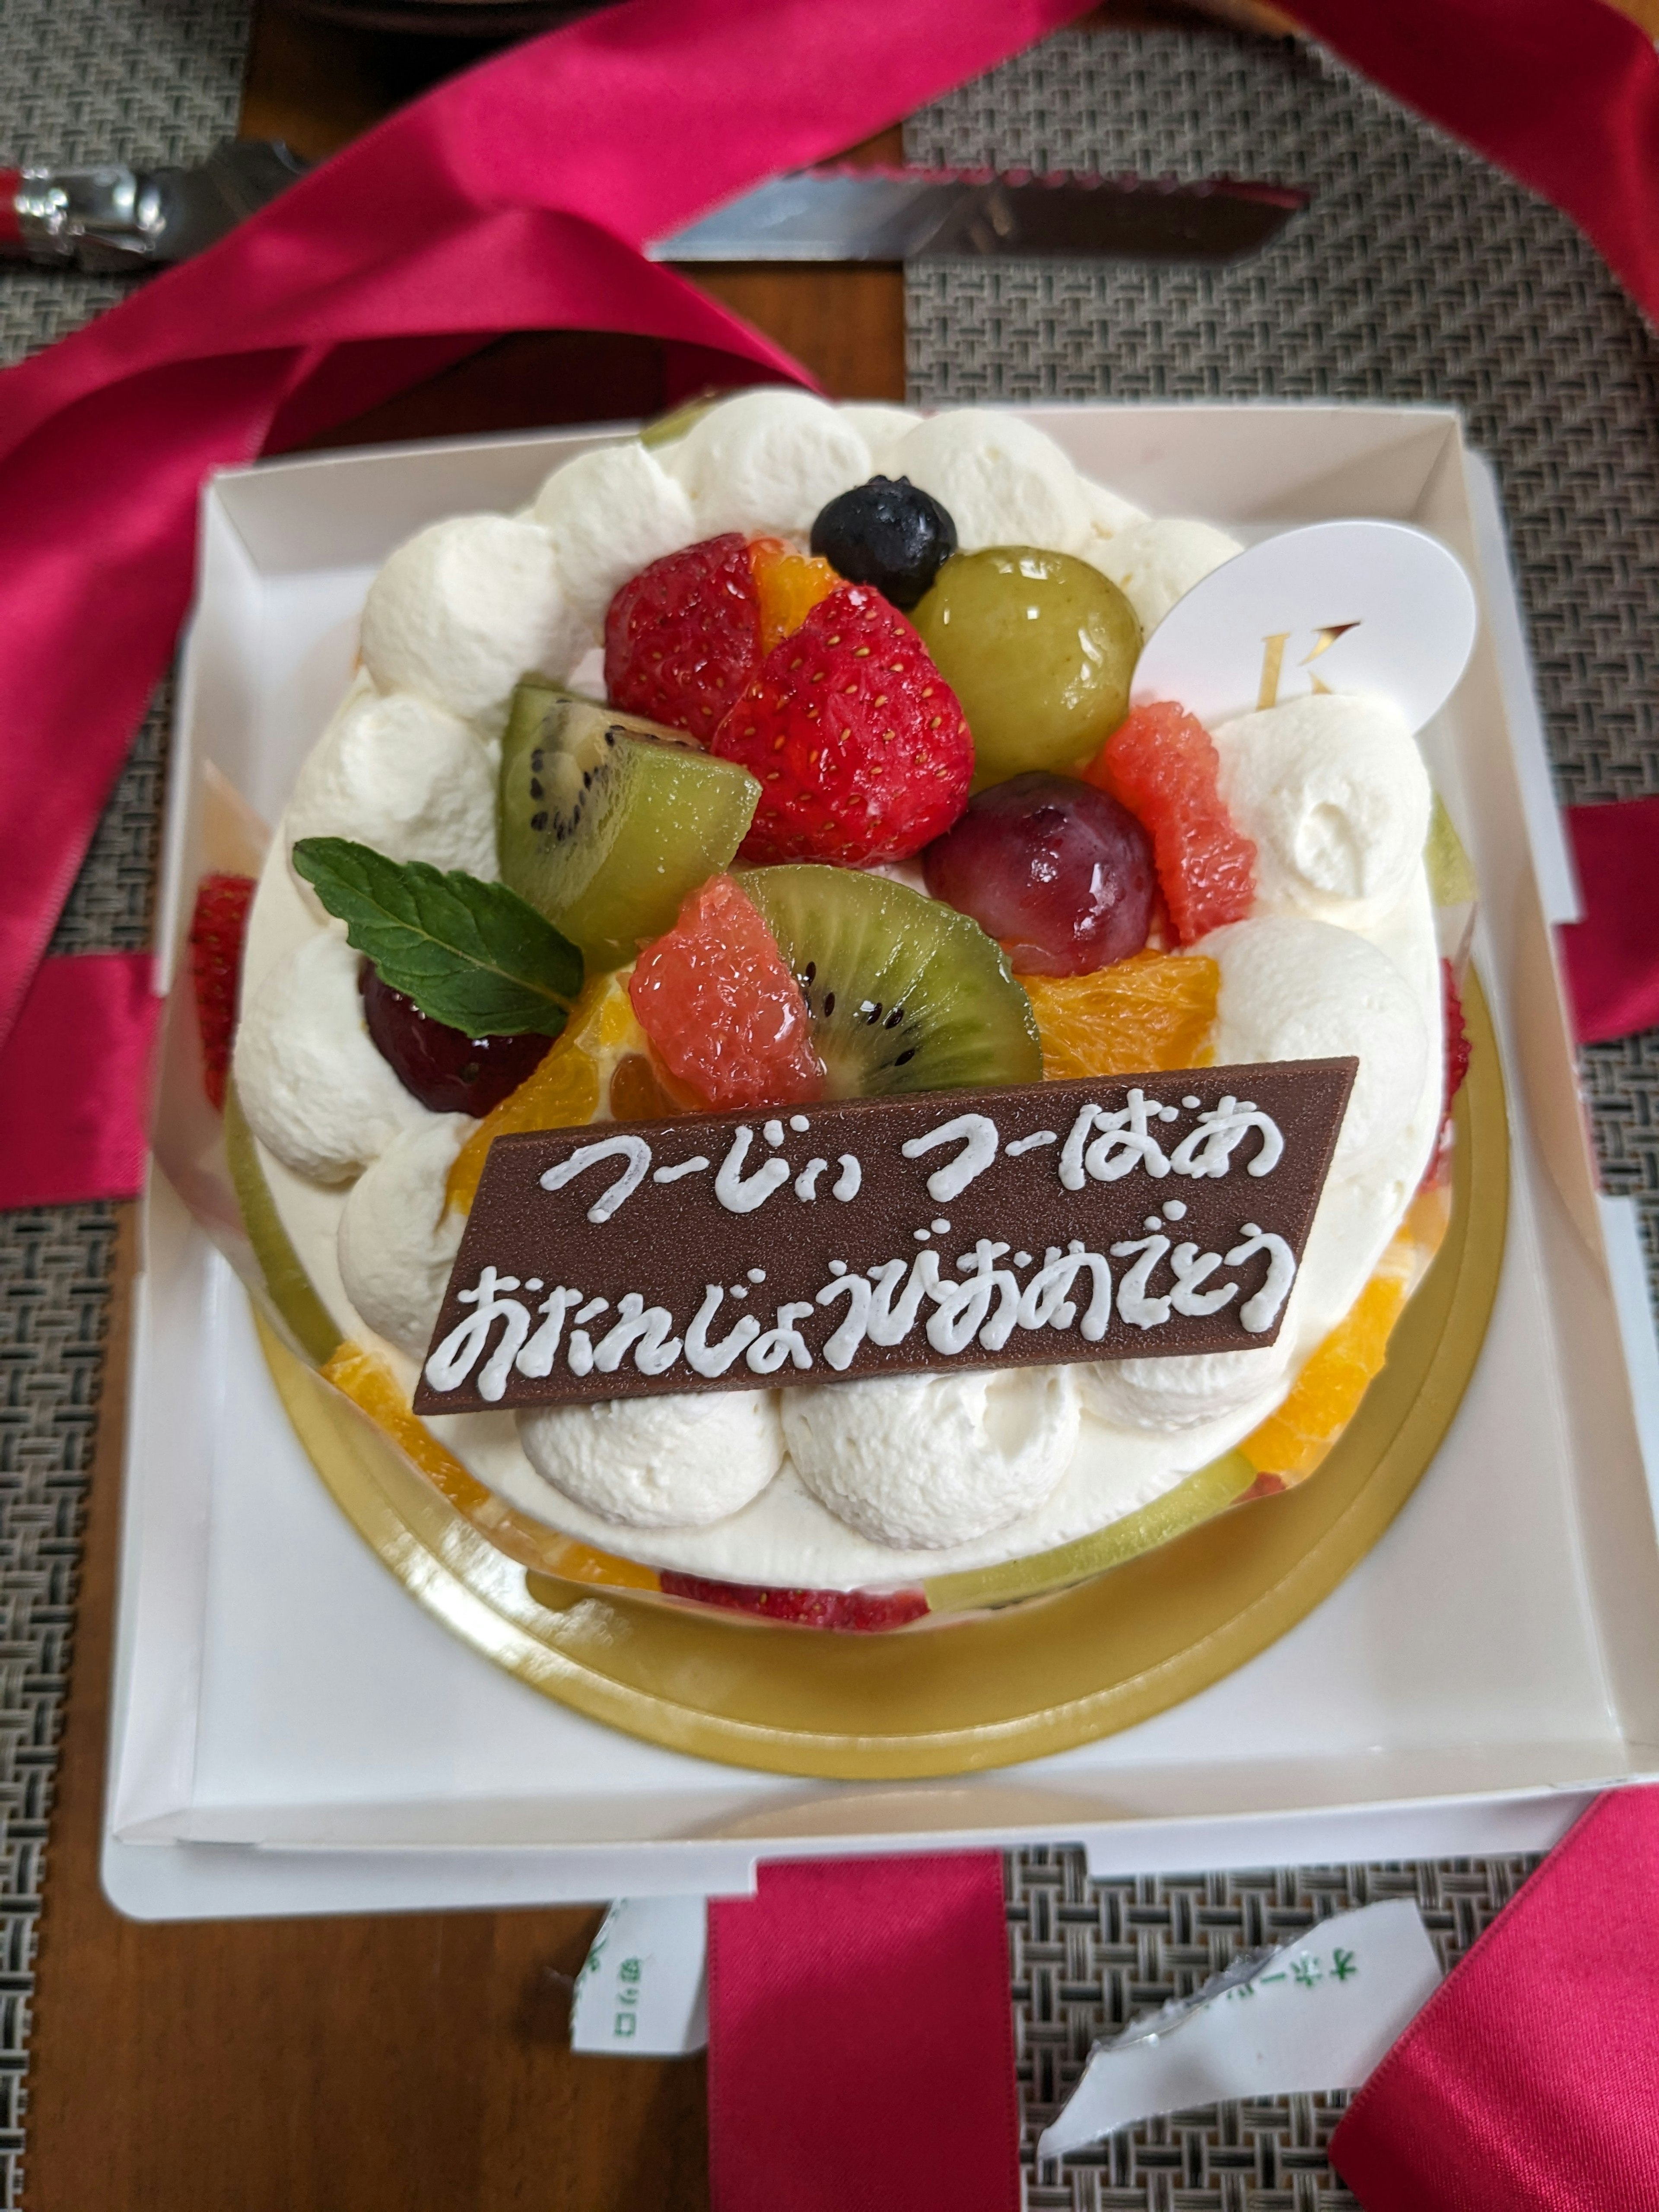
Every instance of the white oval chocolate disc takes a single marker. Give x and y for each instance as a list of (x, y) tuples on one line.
[(1339, 606)]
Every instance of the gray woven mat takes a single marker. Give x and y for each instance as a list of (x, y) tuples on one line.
[(151, 80), (1419, 274)]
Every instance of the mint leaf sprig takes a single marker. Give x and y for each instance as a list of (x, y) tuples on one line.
[(473, 955)]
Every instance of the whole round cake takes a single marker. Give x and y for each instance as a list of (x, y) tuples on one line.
[(786, 758)]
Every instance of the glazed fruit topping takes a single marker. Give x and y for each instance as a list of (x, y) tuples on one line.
[(789, 586), (1164, 768), (217, 928), (1155, 1011), (681, 637), (1457, 1036), (608, 821), (903, 993), (563, 1089), (1039, 647), (862, 751), (1326, 1395), (724, 1013), (1059, 873), (866, 1610), (887, 533), (447, 1070)]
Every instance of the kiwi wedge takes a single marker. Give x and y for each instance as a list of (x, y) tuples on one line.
[(607, 821), (905, 994)]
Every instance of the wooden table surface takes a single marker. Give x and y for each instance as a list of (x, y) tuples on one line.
[(404, 2062)]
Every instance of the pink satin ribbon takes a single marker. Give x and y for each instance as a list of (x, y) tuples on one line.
[(514, 198), (861, 2039), (75, 1081), (517, 197), (1529, 2082), (1612, 955)]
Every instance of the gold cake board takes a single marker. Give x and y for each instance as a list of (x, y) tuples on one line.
[(1039, 1677)]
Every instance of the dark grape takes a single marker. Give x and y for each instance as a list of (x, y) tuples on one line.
[(888, 534), (444, 1068), (1057, 872)]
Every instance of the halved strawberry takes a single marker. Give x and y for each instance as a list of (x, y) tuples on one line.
[(218, 928), (862, 751)]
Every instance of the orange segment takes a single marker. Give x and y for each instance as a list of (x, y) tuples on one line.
[(1326, 1395), (1152, 1010), (371, 1386), (563, 1089), (790, 586), (638, 1094)]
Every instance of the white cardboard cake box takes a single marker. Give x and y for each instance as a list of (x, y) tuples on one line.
[(293, 1734)]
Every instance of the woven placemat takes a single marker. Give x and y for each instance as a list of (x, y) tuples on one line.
[(1417, 273), (80, 80)]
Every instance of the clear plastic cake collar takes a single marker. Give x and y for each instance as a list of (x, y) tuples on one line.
[(292, 1734)]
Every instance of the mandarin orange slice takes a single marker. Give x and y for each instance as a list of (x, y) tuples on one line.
[(371, 1385), (1155, 1010), (1326, 1395), (564, 1088), (374, 1388), (789, 586)]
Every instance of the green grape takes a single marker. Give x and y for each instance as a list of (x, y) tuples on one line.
[(1040, 649)]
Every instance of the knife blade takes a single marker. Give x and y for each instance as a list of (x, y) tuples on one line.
[(841, 215), (111, 217)]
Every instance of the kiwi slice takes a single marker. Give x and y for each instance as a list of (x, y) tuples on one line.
[(607, 821), (905, 994)]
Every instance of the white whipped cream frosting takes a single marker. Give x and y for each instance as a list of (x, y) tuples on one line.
[(1294, 989), (921, 1462), (1332, 790), (673, 1462), (768, 460), (883, 1480), (1185, 1392), (1154, 562), (607, 516), (881, 428), (1002, 482), (463, 610), (313, 1086), (397, 1242), (401, 775)]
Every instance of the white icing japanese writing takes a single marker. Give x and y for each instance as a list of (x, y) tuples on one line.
[(980, 1308), (1101, 1146)]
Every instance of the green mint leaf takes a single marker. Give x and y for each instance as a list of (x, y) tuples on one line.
[(473, 955)]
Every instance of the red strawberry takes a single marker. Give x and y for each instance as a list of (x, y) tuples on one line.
[(862, 751), (217, 928), (1457, 1037), (861, 1610), (683, 637)]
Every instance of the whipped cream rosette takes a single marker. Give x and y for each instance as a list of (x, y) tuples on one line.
[(793, 769)]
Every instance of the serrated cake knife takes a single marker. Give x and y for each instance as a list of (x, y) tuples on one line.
[(111, 217)]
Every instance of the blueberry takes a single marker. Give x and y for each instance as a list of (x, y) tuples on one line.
[(886, 533)]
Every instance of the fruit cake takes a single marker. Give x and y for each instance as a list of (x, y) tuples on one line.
[(785, 755)]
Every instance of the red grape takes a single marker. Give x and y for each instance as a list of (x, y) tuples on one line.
[(444, 1068), (1059, 873)]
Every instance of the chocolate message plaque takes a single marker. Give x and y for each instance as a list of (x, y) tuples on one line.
[(1139, 1217), (1136, 1217)]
